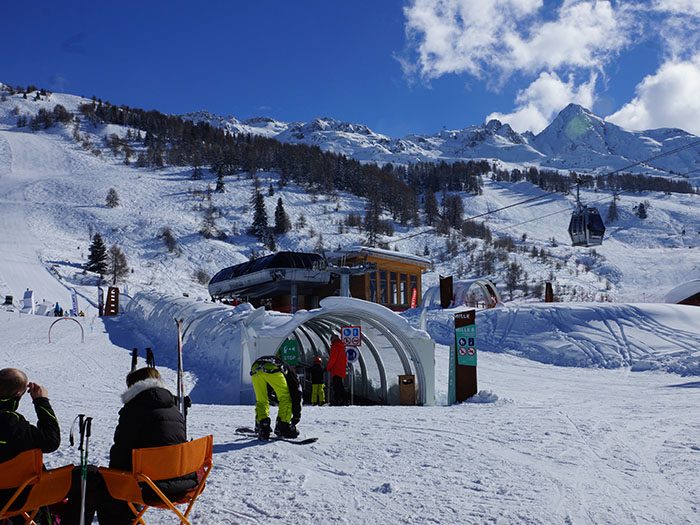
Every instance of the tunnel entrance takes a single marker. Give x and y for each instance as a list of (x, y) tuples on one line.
[(390, 348)]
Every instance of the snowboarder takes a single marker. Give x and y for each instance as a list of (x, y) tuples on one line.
[(337, 366), (271, 371), (318, 396), (150, 358)]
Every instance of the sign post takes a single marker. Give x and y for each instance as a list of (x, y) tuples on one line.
[(464, 350)]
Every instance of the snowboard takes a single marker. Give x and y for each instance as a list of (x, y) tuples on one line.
[(247, 431)]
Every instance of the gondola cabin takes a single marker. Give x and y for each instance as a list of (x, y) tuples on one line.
[(586, 227)]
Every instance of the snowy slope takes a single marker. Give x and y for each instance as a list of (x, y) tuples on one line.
[(554, 445)]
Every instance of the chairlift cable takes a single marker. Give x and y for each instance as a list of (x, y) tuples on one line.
[(643, 161)]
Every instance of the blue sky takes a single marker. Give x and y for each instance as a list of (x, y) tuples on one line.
[(409, 66)]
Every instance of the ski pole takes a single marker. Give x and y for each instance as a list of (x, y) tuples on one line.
[(85, 429)]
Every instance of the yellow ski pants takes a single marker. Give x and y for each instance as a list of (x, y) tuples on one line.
[(262, 402), (317, 394)]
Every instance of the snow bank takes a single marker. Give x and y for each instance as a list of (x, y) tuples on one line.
[(597, 335)]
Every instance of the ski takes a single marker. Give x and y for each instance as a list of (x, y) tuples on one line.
[(180, 372), (247, 431)]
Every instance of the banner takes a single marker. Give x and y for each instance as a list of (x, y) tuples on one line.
[(74, 298), (100, 300)]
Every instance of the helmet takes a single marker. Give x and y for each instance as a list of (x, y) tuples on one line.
[(317, 359)]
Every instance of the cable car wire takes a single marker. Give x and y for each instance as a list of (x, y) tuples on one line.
[(637, 163)]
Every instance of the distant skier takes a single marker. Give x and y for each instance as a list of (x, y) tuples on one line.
[(318, 396), (337, 366), (271, 371), (150, 358), (134, 358)]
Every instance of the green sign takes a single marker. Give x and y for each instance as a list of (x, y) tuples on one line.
[(465, 343), (289, 352)]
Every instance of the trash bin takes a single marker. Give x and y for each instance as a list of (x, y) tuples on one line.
[(407, 390)]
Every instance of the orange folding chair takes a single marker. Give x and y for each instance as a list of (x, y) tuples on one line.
[(161, 463), (46, 487)]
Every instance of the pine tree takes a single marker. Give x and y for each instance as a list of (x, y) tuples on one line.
[(431, 208), (300, 223), (97, 258), (319, 248), (196, 173), (112, 199), (372, 221), (220, 183), (118, 267), (259, 227), (282, 222), (641, 210), (513, 274), (270, 191)]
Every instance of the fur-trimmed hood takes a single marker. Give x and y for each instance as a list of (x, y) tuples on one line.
[(135, 389)]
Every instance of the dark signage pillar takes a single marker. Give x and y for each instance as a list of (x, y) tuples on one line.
[(548, 292), (465, 355), (446, 291)]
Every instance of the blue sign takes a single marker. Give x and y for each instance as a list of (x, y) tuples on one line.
[(353, 353)]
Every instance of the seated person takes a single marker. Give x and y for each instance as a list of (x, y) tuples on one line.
[(16, 433), (149, 418)]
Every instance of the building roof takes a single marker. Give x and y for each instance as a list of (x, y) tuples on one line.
[(275, 260), (683, 291), (380, 253)]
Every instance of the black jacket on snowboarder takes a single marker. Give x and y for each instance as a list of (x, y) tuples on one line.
[(18, 435)]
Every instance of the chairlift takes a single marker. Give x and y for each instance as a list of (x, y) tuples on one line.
[(586, 227)]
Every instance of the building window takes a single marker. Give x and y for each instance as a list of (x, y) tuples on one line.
[(403, 293), (394, 289), (382, 287), (373, 287)]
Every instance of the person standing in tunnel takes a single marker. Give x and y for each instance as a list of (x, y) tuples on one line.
[(337, 367)]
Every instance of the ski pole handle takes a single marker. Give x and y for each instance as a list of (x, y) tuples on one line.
[(88, 426), (81, 429)]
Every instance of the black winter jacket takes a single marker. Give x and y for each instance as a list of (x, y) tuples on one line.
[(316, 372), (18, 435), (149, 418)]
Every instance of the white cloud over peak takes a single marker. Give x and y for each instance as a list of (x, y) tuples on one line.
[(537, 104), (668, 98), (507, 36)]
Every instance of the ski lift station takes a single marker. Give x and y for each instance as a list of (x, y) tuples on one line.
[(220, 342)]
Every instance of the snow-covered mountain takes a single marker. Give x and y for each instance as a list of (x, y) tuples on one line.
[(62, 175), (576, 139)]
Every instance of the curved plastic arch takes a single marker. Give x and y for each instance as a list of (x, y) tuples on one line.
[(394, 331), (82, 332)]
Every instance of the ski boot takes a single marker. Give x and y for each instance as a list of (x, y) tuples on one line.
[(263, 428), (286, 430)]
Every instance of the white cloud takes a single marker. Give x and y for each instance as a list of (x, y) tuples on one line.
[(682, 7), (506, 36), (537, 104), (668, 98)]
